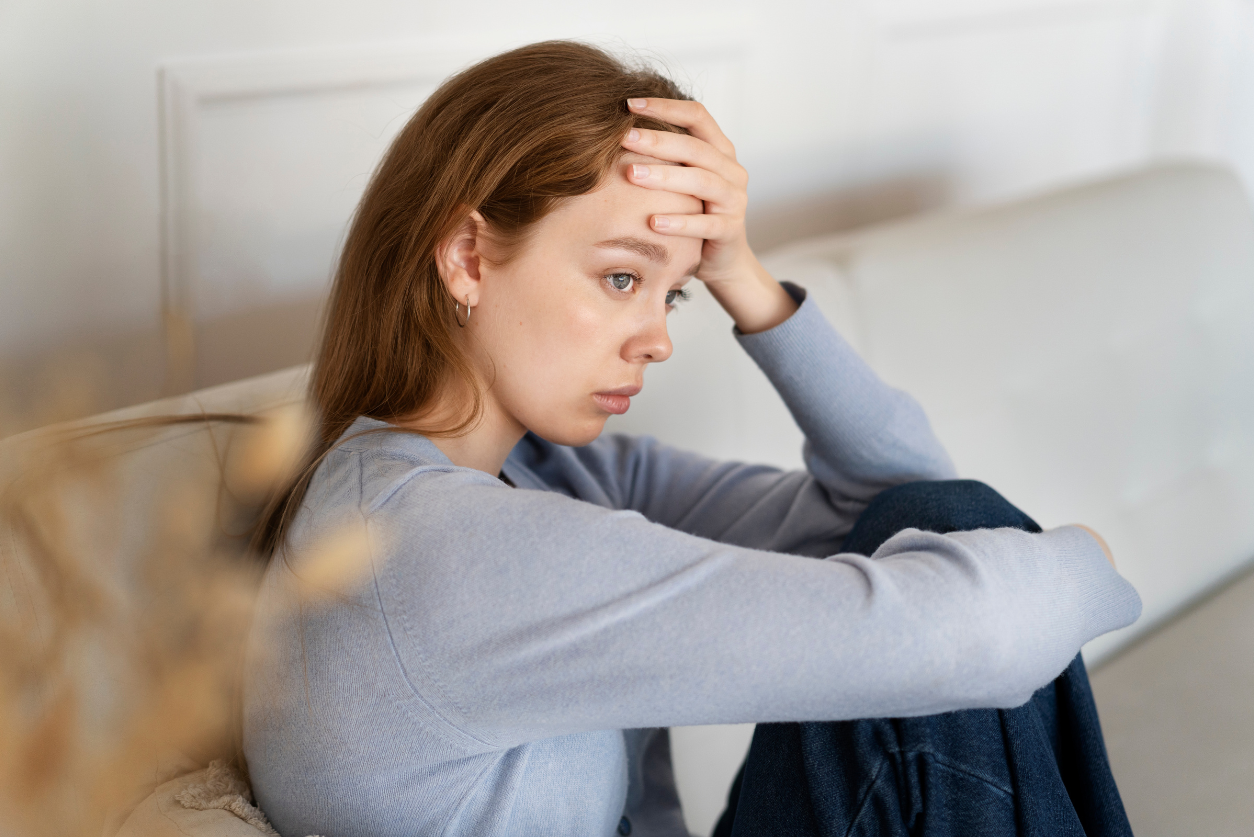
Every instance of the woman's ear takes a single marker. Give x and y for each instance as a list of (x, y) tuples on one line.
[(458, 258)]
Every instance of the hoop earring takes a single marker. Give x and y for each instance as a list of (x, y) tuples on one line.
[(457, 316)]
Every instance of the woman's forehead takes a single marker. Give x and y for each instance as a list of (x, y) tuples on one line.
[(618, 208)]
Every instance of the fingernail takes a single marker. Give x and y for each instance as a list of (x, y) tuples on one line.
[(633, 135), (661, 222), (639, 172), (637, 104)]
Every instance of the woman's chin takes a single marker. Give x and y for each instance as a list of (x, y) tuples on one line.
[(574, 434)]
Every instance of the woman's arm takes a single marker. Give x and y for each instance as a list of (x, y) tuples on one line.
[(862, 437), (523, 614)]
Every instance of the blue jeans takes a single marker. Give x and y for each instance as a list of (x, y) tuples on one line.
[(1039, 769)]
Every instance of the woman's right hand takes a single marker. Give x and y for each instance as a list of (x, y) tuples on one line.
[(1100, 542), (708, 171)]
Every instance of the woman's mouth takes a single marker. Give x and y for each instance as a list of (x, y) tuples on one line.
[(615, 401)]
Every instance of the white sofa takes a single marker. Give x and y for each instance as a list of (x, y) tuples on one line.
[(1090, 353)]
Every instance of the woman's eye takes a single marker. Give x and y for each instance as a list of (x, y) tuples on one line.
[(621, 281), (678, 295)]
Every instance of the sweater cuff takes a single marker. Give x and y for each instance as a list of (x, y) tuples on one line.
[(1106, 599)]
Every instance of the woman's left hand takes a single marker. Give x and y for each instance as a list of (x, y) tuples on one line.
[(709, 172)]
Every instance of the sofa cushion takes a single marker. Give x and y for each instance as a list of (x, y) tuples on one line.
[(213, 802)]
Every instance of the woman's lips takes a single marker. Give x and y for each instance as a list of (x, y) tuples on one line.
[(615, 401)]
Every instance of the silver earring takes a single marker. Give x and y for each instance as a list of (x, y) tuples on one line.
[(457, 316)]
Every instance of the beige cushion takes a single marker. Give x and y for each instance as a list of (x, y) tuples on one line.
[(141, 468), (213, 802), (109, 523)]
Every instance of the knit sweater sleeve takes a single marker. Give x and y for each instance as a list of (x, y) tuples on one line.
[(520, 614)]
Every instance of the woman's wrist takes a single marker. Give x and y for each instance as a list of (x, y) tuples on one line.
[(755, 301)]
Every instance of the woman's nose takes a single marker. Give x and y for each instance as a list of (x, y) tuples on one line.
[(651, 344)]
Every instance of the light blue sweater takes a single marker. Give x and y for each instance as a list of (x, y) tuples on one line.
[(504, 667)]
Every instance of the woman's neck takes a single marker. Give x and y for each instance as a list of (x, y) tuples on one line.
[(485, 447)]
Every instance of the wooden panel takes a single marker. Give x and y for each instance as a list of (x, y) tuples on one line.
[(264, 159)]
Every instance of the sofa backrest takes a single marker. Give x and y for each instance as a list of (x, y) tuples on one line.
[(1089, 352)]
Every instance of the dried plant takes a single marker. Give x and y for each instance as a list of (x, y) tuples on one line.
[(121, 634)]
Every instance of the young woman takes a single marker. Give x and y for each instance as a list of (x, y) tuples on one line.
[(543, 600)]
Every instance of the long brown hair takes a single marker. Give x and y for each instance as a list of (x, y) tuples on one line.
[(511, 136)]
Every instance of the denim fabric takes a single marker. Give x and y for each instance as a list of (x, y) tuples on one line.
[(1035, 770)]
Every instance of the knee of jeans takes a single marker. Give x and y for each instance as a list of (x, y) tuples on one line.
[(940, 494), (949, 505)]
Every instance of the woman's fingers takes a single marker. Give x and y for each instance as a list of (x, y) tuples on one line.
[(708, 170), (685, 114), (709, 227), (681, 148), (700, 183)]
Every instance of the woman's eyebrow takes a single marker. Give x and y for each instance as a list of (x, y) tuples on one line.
[(652, 252)]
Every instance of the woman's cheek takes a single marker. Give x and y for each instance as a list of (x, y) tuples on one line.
[(573, 333)]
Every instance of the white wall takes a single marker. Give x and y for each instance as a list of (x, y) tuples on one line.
[(845, 112)]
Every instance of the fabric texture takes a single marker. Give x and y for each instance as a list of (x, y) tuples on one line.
[(213, 801), (222, 788), (486, 677), (1037, 770)]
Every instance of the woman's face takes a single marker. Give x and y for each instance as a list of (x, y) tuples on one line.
[(564, 330)]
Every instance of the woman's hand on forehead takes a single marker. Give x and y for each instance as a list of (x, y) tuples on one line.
[(708, 171)]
